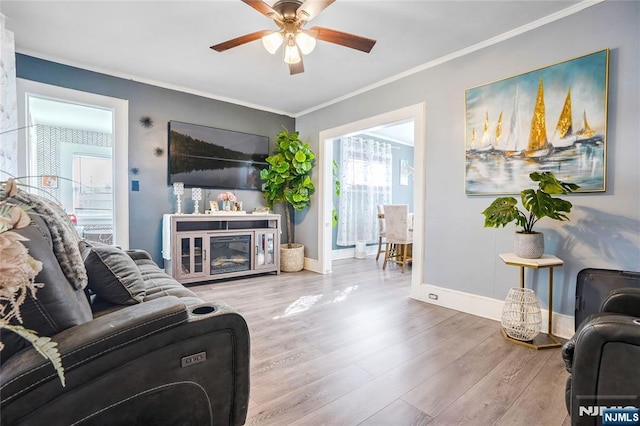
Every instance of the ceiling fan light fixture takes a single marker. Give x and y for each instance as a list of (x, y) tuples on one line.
[(273, 41), (291, 16), (292, 53), (305, 42)]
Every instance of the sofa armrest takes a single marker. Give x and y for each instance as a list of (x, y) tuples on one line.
[(568, 350), (151, 363), (82, 343), (624, 301), (605, 355)]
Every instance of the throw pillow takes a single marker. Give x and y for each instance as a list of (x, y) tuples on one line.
[(113, 275)]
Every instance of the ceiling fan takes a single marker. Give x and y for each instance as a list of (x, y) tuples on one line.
[(290, 16)]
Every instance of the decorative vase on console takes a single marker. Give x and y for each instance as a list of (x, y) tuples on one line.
[(178, 191), (227, 198), (196, 196)]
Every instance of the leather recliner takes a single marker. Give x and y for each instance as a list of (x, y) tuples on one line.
[(603, 359), (167, 359)]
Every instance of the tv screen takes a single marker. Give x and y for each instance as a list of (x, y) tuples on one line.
[(206, 157)]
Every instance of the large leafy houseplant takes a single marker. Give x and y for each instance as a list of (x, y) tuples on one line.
[(538, 203), (287, 179)]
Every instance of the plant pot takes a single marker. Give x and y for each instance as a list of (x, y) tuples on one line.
[(529, 246), (291, 259)]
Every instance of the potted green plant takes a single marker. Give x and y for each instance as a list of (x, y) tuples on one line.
[(537, 203), (287, 181)]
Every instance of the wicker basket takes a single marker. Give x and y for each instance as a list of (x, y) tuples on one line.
[(521, 318), (291, 259)]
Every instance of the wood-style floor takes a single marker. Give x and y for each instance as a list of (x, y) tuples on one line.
[(351, 348)]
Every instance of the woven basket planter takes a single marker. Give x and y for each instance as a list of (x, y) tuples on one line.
[(521, 318), (291, 259)]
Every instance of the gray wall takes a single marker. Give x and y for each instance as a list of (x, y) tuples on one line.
[(460, 254), (155, 197)]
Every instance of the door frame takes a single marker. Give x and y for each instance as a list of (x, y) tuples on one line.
[(415, 112), (120, 109)]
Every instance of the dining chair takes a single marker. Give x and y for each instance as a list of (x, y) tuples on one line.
[(381, 230), (399, 235)]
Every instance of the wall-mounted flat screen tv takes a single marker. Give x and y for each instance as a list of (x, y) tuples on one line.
[(206, 157)]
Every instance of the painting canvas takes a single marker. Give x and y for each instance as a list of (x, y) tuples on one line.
[(552, 119)]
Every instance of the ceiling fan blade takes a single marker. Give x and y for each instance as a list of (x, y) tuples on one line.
[(344, 39), (311, 8), (263, 8), (296, 68), (238, 41)]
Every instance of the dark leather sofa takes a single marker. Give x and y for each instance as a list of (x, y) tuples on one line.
[(148, 353), (603, 358)]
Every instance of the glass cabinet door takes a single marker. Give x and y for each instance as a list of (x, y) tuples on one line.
[(265, 249), (192, 256)]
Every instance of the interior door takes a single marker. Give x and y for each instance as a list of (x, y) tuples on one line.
[(75, 151)]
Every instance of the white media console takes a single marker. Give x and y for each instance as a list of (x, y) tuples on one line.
[(208, 247)]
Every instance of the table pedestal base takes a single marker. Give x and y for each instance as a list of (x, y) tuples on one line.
[(541, 341)]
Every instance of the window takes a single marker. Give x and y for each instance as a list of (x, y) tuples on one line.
[(93, 183), (365, 182)]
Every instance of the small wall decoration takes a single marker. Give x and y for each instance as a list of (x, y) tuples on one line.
[(552, 119), (405, 171), (158, 151), (50, 182), (146, 122)]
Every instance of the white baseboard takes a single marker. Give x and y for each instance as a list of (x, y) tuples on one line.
[(486, 307), (350, 253), (346, 253), (314, 265)]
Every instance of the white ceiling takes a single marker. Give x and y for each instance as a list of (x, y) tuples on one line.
[(400, 132), (167, 43)]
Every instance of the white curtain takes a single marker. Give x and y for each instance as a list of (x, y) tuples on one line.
[(8, 105), (365, 182)]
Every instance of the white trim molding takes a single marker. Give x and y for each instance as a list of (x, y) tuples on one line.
[(120, 125), (350, 252), (486, 307), (314, 265), (417, 113)]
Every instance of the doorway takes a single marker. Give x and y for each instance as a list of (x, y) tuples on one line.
[(373, 167), (74, 150), (415, 114)]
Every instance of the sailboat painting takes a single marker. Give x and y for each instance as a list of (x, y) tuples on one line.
[(550, 119)]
